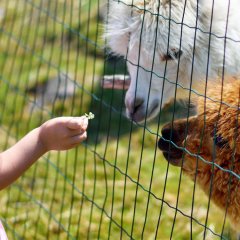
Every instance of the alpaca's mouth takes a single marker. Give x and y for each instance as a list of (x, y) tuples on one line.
[(172, 154), (174, 158)]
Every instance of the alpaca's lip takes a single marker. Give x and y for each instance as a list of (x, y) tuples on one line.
[(173, 158), (172, 154)]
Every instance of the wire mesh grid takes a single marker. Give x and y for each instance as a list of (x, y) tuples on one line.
[(116, 185)]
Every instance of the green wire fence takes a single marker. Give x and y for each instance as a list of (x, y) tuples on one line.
[(116, 185)]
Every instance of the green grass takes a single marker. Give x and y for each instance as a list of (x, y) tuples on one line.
[(80, 192)]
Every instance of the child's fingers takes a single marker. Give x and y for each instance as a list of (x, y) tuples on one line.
[(78, 123), (75, 132), (78, 138)]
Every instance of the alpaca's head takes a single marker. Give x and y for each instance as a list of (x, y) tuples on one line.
[(214, 133), (152, 47), (213, 136), (158, 39)]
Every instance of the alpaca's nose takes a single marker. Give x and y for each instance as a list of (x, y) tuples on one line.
[(165, 144), (134, 105), (170, 133)]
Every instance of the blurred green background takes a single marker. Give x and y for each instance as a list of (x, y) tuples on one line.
[(117, 184)]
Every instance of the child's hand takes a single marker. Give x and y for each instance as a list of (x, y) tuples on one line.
[(57, 134), (63, 133)]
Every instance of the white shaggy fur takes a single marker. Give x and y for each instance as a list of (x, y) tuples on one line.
[(145, 37)]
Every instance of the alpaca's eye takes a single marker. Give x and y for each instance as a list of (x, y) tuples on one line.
[(174, 54), (220, 142)]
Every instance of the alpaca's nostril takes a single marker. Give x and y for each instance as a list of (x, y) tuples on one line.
[(137, 104), (170, 133)]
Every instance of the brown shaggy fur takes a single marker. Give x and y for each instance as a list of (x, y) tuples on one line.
[(223, 120)]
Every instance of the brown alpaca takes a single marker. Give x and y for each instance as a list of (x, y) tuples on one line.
[(214, 135)]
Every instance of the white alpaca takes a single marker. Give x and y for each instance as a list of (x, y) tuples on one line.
[(168, 48)]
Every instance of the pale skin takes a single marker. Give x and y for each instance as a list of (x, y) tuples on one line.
[(61, 133)]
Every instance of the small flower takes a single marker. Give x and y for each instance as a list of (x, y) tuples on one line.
[(90, 115)]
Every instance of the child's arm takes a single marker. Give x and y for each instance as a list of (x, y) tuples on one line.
[(57, 134)]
